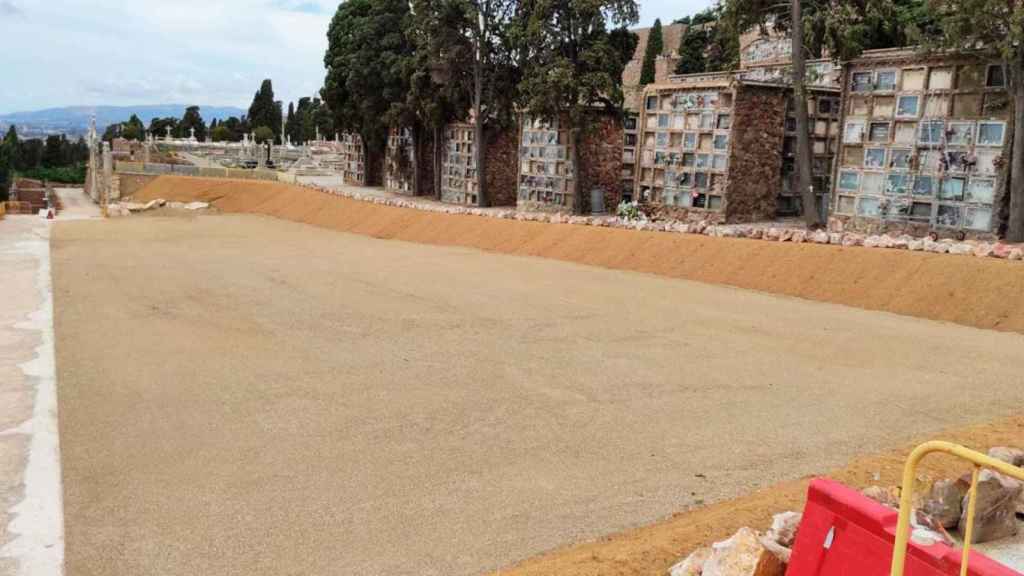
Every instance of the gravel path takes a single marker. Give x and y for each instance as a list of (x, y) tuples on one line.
[(243, 395)]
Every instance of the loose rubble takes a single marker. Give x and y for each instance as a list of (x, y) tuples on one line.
[(126, 208), (996, 507), (746, 553), (943, 507)]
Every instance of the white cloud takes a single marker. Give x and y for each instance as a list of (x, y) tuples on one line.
[(10, 8), (213, 52)]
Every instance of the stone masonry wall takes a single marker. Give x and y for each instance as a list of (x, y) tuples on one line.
[(755, 162), (502, 166), (601, 158)]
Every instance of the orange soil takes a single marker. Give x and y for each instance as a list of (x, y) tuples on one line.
[(651, 550), (981, 292)]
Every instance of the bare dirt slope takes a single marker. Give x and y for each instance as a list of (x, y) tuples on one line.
[(984, 293), (246, 395), (651, 550)]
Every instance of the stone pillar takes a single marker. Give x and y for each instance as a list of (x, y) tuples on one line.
[(93, 188), (108, 176), (145, 152)]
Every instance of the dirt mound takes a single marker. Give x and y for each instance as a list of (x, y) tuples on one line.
[(985, 293)]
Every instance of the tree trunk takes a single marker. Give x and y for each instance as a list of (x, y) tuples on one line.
[(577, 196), (1015, 223), (803, 143), (478, 130), (438, 132), (414, 165)]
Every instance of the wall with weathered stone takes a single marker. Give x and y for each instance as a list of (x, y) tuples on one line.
[(501, 166), (601, 161), (755, 161)]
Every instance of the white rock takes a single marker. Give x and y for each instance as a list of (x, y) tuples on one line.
[(692, 565), (960, 249), (743, 555), (196, 206), (1009, 455), (784, 528)]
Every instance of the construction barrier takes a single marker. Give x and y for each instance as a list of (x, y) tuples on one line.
[(907, 497), (844, 533)]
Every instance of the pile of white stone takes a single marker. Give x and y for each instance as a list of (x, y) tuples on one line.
[(746, 553), (939, 513), (755, 232), (126, 208)]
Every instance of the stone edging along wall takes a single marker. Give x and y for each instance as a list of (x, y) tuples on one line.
[(767, 232), (1000, 250)]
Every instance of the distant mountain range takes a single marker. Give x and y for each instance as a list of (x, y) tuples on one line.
[(74, 120)]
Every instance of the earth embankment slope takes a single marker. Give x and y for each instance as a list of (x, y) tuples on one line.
[(983, 293)]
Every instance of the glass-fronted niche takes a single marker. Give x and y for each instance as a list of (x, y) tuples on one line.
[(685, 146), (946, 175), (923, 144), (546, 172)]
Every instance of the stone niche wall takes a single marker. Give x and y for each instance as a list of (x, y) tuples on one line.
[(400, 160), (755, 162), (684, 146), (924, 145), (548, 181), (358, 167), (459, 177)]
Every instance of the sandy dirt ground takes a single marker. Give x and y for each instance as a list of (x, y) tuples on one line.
[(245, 395), (984, 293)]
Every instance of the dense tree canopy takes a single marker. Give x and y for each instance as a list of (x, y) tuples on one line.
[(56, 158), (368, 60), (158, 127), (572, 62), (192, 119)]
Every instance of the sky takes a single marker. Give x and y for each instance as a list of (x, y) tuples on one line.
[(209, 52)]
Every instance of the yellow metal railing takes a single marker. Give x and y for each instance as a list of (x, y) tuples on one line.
[(899, 552)]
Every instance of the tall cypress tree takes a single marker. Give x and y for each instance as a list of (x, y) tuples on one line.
[(262, 110), (655, 45), (290, 124)]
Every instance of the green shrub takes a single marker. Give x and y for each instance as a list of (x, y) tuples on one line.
[(60, 175)]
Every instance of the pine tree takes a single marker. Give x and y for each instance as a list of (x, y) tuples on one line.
[(655, 45)]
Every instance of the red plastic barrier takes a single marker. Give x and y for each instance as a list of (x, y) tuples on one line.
[(861, 540)]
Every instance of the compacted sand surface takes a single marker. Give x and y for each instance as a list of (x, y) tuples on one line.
[(245, 395)]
